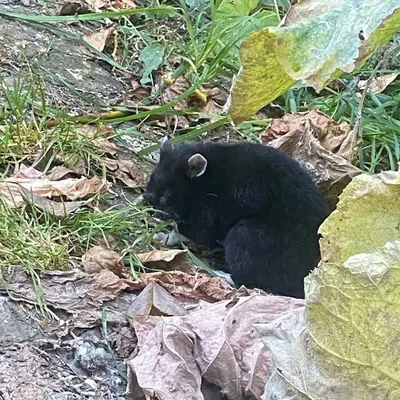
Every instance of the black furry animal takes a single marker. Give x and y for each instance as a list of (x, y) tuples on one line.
[(256, 201)]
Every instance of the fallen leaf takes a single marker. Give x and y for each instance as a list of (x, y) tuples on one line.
[(98, 40), (217, 344), (155, 300), (107, 146), (98, 258), (97, 4), (299, 134), (308, 47), (391, 177), (73, 8), (139, 92), (345, 232), (126, 171), (60, 172), (341, 345), (74, 291), (168, 260), (25, 172), (378, 84), (190, 287), (14, 188), (58, 209)]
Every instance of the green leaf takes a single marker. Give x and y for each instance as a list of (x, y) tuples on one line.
[(344, 343), (236, 8), (152, 56), (318, 42)]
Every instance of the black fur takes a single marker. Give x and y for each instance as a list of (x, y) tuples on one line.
[(254, 200)]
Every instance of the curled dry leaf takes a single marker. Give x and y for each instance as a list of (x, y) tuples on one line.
[(58, 209), (320, 145), (126, 171), (98, 40), (168, 260), (217, 344), (96, 4), (73, 8), (378, 84), (60, 172), (14, 189), (190, 287), (98, 258), (155, 300)]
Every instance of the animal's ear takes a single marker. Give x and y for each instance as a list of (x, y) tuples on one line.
[(197, 165), (165, 144)]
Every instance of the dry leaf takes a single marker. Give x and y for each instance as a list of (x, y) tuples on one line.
[(99, 39), (200, 286), (73, 8), (60, 172), (107, 146), (139, 92), (13, 190), (218, 344), (168, 260), (98, 258), (378, 84), (299, 134), (391, 177), (58, 209), (126, 171), (155, 300), (72, 291), (96, 4)]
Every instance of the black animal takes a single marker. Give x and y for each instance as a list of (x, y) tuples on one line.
[(256, 201)]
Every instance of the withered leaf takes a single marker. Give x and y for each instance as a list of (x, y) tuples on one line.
[(155, 300), (217, 343), (304, 136), (126, 171), (98, 258), (99, 39)]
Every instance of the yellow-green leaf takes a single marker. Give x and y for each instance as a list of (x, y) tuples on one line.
[(344, 343), (318, 42)]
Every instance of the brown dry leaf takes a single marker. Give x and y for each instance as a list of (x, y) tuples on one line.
[(97, 4), (99, 39), (200, 286), (60, 172), (217, 344), (107, 146), (98, 258), (139, 92), (300, 135), (126, 171), (72, 291), (168, 260), (58, 209), (25, 172), (155, 300), (378, 84), (73, 8), (175, 88), (13, 190)]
